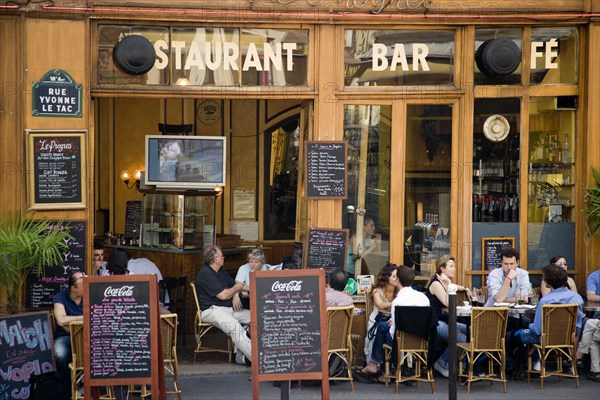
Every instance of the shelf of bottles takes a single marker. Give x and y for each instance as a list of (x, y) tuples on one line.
[(551, 179), (495, 191)]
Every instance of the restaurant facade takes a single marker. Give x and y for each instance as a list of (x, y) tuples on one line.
[(466, 126)]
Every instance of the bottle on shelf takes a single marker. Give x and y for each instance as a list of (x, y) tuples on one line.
[(566, 150), (505, 210), (514, 210)]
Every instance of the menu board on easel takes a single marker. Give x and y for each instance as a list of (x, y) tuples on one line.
[(326, 172), (41, 289), (289, 334), (122, 335), (491, 248), (326, 248), (55, 169)]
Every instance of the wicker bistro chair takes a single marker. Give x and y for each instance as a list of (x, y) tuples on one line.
[(488, 330), (558, 338), (339, 326), (202, 328), (409, 347), (76, 364), (168, 323), (177, 290)]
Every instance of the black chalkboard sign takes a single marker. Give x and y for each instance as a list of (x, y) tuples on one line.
[(326, 248), (491, 247), (56, 163), (26, 345), (289, 335), (133, 219), (326, 173), (298, 247), (40, 290), (121, 330)]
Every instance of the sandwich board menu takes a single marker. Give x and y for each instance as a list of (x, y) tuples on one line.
[(289, 334), (122, 335), (491, 248), (326, 248), (25, 349)]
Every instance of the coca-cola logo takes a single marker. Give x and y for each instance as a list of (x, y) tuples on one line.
[(118, 292), (291, 286)]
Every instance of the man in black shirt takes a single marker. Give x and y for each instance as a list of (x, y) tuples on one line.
[(219, 298)]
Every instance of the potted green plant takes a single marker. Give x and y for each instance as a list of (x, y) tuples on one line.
[(25, 244), (592, 205)]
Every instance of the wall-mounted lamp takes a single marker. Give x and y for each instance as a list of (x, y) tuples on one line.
[(183, 81), (131, 180), (218, 190)]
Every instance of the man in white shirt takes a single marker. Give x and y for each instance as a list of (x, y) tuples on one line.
[(505, 283)]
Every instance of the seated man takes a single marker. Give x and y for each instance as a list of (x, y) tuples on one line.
[(590, 343), (592, 286), (334, 294), (68, 307), (99, 267), (386, 330), (219, 297), (556, 278)]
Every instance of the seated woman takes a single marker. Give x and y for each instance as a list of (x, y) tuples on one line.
[(384, 291), (437, 292), (256, 262), (117, 262), (560, 261)]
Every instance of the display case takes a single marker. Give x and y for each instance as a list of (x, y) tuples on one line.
[(178, 220)]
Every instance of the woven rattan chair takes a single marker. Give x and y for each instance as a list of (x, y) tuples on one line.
[(558, 338), (202, 328), (408, 347), (368, 305), (339, 325), (488, 329), (168, 323), (76, 364)]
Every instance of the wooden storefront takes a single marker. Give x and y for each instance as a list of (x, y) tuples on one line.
[(341, 79)]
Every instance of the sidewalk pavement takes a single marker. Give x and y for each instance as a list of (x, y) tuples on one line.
[(213, 377)]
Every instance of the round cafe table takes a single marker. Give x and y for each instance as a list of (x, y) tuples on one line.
[(591, 306)]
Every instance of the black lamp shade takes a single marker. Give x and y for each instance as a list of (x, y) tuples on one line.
[(498, 57), (134, 55)]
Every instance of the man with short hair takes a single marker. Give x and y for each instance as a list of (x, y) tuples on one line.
[(334, 294), (504, 283), (592, 286), (68, 307), (219, 298), (556, 278), (99, 263)]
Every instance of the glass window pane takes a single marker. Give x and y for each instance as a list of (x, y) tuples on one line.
[(189, 57), (551, 184), (109, 36), (286, 52), (496, 161), (554, 55), (428, 166), (498, 56), (397, 57), (367, 209)]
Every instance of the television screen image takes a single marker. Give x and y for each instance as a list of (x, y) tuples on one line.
[(185, 161)]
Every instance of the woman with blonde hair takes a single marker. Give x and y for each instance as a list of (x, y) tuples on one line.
[(384, 292), (437, 292)]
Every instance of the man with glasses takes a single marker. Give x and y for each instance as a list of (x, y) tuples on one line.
[(68, 307), (99, 267), (219, 297)]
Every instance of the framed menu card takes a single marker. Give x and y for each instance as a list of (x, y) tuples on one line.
[(55, 169)]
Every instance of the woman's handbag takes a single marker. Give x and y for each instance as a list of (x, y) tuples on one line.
[(380, 317)]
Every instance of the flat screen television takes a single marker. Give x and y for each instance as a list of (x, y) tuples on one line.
[(185, 162)]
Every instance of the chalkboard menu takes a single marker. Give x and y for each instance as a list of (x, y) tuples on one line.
[(326, 170), (25, 349), (289, 338), (491, 247), (121, 329), (327, 248), (40, 290), (133, 219), (56, 164), (298, 247)]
